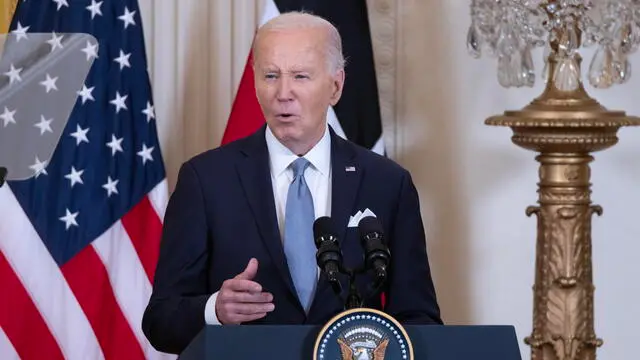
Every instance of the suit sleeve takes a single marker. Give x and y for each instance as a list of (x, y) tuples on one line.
[(411, 296), (175, 313)]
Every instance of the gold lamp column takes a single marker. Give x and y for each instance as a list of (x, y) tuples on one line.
[(565, 126)]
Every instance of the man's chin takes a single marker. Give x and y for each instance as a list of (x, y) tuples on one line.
[(287, 135)]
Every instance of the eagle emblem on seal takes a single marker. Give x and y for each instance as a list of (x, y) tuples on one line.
[(363, 343)]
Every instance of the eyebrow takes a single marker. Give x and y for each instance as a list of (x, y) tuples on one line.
[(294, 71)]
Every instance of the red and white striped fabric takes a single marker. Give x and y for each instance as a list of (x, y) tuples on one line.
[(90, 308)]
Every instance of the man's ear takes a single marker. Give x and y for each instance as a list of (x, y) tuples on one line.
[(337, 86)]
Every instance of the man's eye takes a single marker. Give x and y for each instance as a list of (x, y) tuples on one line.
[(270, 76), (300, 76)]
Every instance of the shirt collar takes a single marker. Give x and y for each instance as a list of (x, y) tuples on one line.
[(281, 157)]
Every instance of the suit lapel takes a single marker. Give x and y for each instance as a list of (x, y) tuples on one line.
[(346, 176), (255, 177)]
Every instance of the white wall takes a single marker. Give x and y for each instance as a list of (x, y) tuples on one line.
[(474, 183)]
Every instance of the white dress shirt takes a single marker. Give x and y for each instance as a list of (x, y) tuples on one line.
[(317, 176)]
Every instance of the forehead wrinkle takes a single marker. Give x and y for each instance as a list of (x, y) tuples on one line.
[(313, 47)]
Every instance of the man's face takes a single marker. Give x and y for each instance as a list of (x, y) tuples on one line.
[(294, 84)]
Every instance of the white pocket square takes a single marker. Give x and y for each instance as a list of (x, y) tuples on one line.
[(354, 220)]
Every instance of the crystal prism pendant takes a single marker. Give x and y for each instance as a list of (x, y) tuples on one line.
[(621, 68), (507, 42), (504, 73), (473, 45), (627, 35), (601, 70), (515, 70), (527, 71)]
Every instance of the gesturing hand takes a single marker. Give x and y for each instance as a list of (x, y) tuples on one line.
[(241, 299)]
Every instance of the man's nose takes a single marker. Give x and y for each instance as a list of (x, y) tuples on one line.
[(285, 92)]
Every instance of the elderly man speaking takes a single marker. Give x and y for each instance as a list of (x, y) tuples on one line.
[(237, 244)]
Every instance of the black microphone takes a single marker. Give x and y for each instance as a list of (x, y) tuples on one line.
[(329, 255), (376, 253)]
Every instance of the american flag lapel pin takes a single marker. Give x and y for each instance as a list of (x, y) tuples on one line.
[(349, 168)]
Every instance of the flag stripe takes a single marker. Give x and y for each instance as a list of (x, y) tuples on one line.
[(7, 350), (21, 320), (43, 280), (89, 281), (130, 283), (159, 197), (246, 114), (270, 11), (144, 229), (379, 146)]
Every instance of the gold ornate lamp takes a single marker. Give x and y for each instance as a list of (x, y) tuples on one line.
[(564, 125)]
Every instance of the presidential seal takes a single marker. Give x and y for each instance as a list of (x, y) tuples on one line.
[(363, 334)]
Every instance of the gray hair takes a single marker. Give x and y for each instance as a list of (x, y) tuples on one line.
[(302, 19)]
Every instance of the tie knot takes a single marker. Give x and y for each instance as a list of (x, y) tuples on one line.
[(299, 166)]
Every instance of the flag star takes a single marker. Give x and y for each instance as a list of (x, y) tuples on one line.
[(7, 116), (75, 176), (110, 186), (118, 102), (149, 112), (145, 153), (49, 83), (55, 41), (69, 219), (115, 145), (44, 125), (85, 93), (123, 59), (91, 50), (127, 17), (39, 167), (21, 31), (13, 74), (80, 135), (95, 8), (61, 3)]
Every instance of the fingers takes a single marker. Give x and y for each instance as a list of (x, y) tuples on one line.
[(242, 285), (250, 271), (237, 307), (241, 299), (246, 297)]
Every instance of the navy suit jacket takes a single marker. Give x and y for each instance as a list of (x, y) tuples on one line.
[(222, 214)]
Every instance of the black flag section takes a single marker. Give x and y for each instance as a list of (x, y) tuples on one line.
[(358, 111)]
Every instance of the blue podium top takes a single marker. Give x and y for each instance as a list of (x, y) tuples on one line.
[(430, 342)]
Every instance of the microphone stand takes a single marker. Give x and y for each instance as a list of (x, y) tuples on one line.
[(354, 300)]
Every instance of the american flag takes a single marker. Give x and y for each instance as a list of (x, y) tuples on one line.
[(79, 240)]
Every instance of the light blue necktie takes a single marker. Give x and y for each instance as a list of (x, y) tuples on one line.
[(298, 234)]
